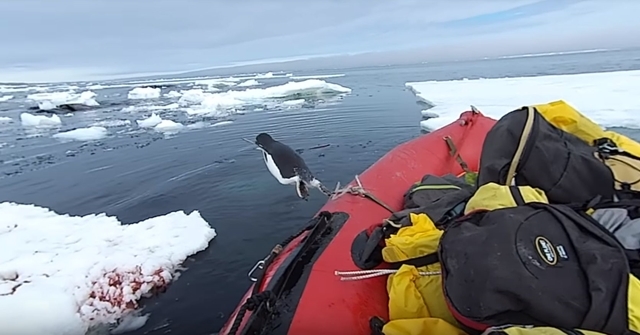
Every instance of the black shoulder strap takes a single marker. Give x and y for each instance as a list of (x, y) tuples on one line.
[(418, 261)]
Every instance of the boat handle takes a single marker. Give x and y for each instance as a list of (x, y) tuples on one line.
[(259, 266)]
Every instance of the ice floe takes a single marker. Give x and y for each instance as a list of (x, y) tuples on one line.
[(248, 83), (149, 122), (608, 98), (61, 274), (52, 100), (220, 104), (83, 134), (139, 93), (4, 98), (30, 120), (168, 126)]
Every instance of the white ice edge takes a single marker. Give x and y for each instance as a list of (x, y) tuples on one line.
[(61, 274), (607, 98)]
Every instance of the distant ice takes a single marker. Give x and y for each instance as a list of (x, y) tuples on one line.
[(6, 98), (608, 98), (30, 120), (144, 93), (83, 134), (5, 119), (111, 123), (173, 94), (61, 274), (265, 75), (319, 76), (248, 83), (221, 123), (48, 101), (149, 122), (21, 88), (293, 103), (220, 104), (132, 109)]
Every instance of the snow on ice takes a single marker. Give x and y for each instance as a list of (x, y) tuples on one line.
[(4, 98), (608, 98), (61, 274)]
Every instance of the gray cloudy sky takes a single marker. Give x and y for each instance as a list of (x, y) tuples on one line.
[(91, 39)]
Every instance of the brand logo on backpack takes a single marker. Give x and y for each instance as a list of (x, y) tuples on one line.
[(546, 250)]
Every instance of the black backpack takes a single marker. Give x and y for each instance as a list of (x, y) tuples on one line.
[(525, 146), (533, 264)]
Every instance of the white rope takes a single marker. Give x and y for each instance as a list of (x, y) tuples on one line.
[(366, 274)]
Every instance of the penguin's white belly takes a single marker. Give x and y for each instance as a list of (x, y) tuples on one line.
[(273, 168)]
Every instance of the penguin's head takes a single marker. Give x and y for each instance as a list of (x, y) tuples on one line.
[(263, 139)]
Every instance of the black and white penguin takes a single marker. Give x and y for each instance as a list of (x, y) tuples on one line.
[(287, 166)]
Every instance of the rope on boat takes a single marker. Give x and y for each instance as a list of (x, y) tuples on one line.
[(251, 304), (366, 274), (360, 191)]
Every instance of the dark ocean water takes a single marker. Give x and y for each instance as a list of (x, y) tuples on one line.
[(143, 174)]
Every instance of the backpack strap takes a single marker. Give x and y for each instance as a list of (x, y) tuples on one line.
[(418, 261), (524, 136)]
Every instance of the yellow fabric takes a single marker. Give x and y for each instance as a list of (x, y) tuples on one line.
[(416, 303), (515, 330), (565, 117), (422, 326), (493, 196), (633, 302)]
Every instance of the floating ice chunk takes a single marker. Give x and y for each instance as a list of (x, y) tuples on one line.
[(248, 83), (6, 98), (221, 123), (319, 76), (149, 122), (265, 75), (168, 126), (173, 94), (139, 93), (73, 272), (293, 103), (48, 101), (5, 119), (111, 123), (83, 134), (30, 120), (132, 109), (194, 96), (608, 98)]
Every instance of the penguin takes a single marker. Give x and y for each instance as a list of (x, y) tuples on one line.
[(287, 166)]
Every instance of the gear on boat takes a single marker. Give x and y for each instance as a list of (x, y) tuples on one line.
[(529, 225)]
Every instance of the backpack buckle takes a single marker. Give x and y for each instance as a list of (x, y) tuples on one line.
[(606, 146)]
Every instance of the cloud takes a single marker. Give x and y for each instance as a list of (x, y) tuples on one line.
[(79, 39)]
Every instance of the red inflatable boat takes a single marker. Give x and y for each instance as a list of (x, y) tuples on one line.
[(298, 291)]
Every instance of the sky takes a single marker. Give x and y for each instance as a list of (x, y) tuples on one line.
[(59, 40)]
